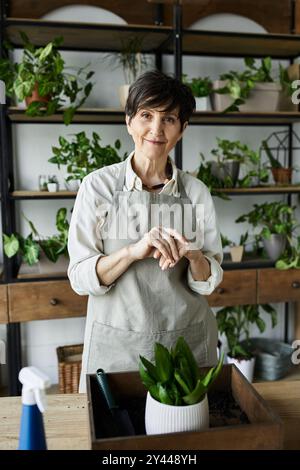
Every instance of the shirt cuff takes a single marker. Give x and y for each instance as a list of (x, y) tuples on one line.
[(208, 286), (84, 279)]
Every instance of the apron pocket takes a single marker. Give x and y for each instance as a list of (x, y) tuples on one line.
[(116, 350)]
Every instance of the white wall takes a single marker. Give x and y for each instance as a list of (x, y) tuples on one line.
[(32, 145)]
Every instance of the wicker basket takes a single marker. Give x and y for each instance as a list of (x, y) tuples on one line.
[(69, 367)]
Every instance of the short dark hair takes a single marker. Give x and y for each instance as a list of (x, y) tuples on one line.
[(155, 89)]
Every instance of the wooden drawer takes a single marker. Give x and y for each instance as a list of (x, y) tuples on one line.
[(237, 288), (278, 286), (3, 304), (44, 300)]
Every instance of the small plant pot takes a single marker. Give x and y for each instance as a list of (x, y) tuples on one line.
[(52, 187), (282, 175), (203, 103), (36, 97), (163, 419), (123, 94), (246, 366), (229, 168), (236, 253), (275, 245), (72, 185)]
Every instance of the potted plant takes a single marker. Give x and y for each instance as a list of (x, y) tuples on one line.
[(52, 184), (277, 221), (236, 249), (31, 248), (276, 147), (235, 322), (251, 90), (230, 154), (42, 80), (201, 89), (82, 155), (177, 393), (132, 61)]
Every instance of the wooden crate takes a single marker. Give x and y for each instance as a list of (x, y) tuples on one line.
[(263, 431)]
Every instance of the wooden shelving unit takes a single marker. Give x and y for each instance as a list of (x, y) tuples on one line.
[(54, 298), (117, 116)]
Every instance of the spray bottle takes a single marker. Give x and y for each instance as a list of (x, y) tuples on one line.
[(32, 433)]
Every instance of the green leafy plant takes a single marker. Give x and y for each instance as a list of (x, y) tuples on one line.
[(200, 86), (240, 84), (205, 175), (227, 242), (275, 163), (30, 248), (130, 58), (44, 68), (291, 256), (83, 155), (175, 378), (235, 323), (274, 217)]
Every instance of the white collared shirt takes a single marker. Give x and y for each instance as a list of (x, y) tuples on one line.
[(85, 246)]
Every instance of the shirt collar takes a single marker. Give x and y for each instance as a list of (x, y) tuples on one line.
[(134, 181)]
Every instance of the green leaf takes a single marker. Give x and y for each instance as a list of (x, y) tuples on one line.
[(196, 395), (11, 245), (146, 379), (183, 350), (46, 52), (31, 251), (181, 381), (163, 395), (163, 362), (68, 115), (150, 368)]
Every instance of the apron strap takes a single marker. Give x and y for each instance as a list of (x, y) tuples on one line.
[(181, 188), (121, 179)]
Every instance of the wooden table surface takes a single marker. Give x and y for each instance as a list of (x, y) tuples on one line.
[(66, 420)]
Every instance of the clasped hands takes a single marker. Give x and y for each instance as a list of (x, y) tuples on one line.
[(166, 245)]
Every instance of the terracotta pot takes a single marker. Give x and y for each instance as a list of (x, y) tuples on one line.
[(282, 175), (36, 97)]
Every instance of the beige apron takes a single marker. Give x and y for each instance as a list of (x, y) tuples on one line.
[(146, 305)]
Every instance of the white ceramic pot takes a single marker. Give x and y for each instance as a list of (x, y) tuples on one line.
[(246, 366), (72, 185), (163, 419), (203, 103), (52, 187), (123, 94)]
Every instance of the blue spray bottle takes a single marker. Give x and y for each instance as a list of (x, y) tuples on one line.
[(32, 433)]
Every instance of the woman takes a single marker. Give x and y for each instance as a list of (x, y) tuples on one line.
[(146, 279)]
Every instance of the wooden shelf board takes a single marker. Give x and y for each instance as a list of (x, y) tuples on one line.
[(240, 44), (271, 189), (28, 194), (44, 269), (215, 117), (116, 116), (86, 36), (109, 37)]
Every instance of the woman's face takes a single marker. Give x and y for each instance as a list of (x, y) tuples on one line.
[(154, 132)]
